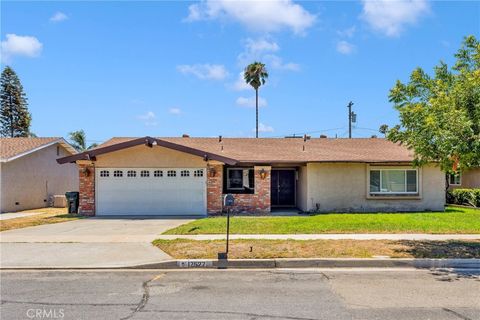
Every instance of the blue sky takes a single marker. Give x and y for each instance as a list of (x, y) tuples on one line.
[(167, 68)]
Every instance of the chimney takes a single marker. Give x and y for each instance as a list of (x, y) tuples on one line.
[(185, 135)]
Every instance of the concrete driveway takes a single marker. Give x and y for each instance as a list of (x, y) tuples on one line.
[(86, 243)]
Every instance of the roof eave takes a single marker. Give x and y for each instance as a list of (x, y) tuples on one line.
[(61, 141), (149, 141)]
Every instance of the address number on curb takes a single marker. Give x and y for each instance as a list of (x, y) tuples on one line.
[(194, 264)]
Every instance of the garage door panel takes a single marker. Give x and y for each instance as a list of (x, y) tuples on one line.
[(166, 195)]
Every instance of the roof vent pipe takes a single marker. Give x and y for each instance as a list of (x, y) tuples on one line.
[(219, 138)]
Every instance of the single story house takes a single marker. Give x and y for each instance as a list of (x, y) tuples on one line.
[(468, 179), (190, 176), (29, 173)]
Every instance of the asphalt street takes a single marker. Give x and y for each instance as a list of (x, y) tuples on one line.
[(300, 294)]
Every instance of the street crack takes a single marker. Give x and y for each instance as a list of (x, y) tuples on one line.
[(461, 316), (145, 297)]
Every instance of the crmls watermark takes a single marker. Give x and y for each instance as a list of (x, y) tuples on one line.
[(45, 313)]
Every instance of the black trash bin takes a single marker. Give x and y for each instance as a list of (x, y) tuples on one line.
[(73, 199)]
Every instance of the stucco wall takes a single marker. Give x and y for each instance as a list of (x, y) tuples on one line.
[(302, 188), (31, 179), (155, 157), (342, 187)]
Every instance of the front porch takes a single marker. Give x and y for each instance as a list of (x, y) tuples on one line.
[(258, 189)]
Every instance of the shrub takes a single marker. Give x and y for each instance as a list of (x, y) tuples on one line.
[(469, 197)]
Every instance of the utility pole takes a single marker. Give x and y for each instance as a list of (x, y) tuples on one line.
[(350, 118)]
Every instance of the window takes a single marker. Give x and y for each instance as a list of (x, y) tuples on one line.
[(171, 173), (393, 181), (158, 173), (118, 173), (239, 180), (144, 173), (198, 173), (131, 173), (104, 173), (455, 179), (184, 173)]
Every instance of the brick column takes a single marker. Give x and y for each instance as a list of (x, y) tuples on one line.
[(262, 197), (86, 171), (214, 188)]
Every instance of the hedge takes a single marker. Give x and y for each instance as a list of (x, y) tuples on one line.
[(469, 197)]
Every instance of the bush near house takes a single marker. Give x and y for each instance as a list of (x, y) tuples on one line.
[(470, 197)]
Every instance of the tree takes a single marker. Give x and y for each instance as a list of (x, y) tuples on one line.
[(440, 115), (383, 129), (79, 141), (14, 116), (255, 74)]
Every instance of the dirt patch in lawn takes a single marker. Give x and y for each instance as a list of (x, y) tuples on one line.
[(262, 249), (46, 216)]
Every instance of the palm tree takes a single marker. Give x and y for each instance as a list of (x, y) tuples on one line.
[(79, 141), (255, 75)]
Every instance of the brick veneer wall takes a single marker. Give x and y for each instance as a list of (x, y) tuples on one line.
[(257, 203), (214, 188), (86, 189)]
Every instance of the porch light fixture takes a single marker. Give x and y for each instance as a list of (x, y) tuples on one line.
[(86, 172), (263, 174), (212, 172)]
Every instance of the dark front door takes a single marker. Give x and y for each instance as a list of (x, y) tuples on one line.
[(283, 187)]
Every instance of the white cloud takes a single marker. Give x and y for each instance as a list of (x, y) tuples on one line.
[(263, 50), (347, 33), (149, 118), (250, 102), (240, 84), (175, 111), (275, 62), (204, 71), (345, 47), (267, 16), (264, 128), (58, 17), (16, 45), (390, 17)]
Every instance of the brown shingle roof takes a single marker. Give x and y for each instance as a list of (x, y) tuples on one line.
[(11, 147), (294, 149)]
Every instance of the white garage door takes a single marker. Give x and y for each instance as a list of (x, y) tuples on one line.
[(151, 191)]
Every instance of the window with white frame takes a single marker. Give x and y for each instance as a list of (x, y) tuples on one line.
[(455, 179), (118, 173), (393, 181), (198, 173), (171, 173), (104, 173), (185, 173), (158, 173), (131, 173), (144, 173)]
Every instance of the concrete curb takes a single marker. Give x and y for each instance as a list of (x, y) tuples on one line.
[(287, 263), (317, 263)]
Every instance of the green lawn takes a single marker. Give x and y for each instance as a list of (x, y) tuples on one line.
[(453, 220)]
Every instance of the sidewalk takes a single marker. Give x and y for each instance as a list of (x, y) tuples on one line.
[(346, 236)]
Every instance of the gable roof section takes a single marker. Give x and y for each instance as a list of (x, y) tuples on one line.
[(14, 148), (149, 141), (270, 150)]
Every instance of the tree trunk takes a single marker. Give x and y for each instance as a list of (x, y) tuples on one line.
[(256, 105)]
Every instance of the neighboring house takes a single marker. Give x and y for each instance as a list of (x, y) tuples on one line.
[(190, 176), (29, 173), (468, 179)]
